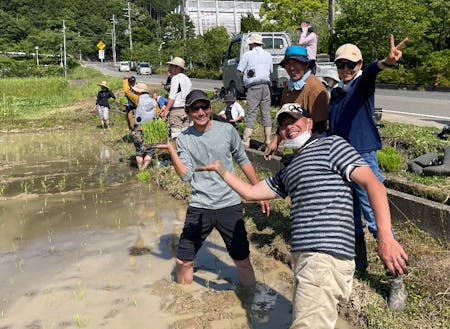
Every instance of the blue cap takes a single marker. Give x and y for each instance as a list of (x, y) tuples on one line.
[(298, 53)]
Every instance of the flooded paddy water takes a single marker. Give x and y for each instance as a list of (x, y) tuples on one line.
[(84, 245)]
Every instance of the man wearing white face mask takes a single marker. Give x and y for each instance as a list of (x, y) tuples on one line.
[(322, 229)]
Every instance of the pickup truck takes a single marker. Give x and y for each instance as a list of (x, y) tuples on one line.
[(275, 43)]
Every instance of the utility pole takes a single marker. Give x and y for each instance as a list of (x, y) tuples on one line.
[(37, 55), (183, 11), (113, 37), (61, 55), (128, 14), (64, 45), (331, 4)]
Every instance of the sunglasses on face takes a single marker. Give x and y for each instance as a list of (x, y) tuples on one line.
[(204, 107), (350, 65)]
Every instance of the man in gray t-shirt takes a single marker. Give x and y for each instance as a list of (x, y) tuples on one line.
[(213, 203)]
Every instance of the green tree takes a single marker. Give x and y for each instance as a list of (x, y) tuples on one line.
[(368, 24), (249, 23), (439, 23), (215, 43), (285, 15), (172, 28)]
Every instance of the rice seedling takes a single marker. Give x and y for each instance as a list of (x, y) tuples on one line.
[(62, 183), (50, 235), (81, 185), (155, 131), (25, 186), (44, 184), (78, 320), (101, 180), (3, 187), (19, 264), (80, 293)]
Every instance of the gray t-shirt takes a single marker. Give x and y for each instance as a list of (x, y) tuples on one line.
[(220, 142)]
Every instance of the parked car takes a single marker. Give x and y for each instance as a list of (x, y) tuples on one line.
[(124, 67), (144, 68)]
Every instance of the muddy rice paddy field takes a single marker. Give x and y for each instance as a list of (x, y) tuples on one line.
[(83, 244)]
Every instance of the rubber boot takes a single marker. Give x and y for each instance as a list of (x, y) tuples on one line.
[(248, 132), (398, 293), (361, 255), (268, 135)]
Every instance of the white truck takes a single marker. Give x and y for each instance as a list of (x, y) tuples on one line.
[(275, 43)]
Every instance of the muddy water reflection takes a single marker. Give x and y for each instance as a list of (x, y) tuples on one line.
[(70, 215)]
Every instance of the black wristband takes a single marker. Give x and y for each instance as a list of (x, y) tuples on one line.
[(387, 65)]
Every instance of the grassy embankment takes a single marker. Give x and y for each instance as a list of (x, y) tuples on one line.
[(46, 103)]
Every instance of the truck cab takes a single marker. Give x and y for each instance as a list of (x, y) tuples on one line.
[(275, 43)]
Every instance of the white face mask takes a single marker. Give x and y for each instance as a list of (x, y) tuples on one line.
[(298, 141)]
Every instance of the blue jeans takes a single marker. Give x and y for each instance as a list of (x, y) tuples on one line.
[(361, 199)]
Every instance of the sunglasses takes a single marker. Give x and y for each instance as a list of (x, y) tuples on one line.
[(350, 65), (204, 107)]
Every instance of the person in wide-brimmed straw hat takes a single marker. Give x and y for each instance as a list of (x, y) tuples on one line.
[(180, 86), (178, 61), (102, 103), (103, 84)]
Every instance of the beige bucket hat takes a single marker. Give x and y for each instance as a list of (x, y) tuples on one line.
[(255, 38), (178, 61), (141, 87)]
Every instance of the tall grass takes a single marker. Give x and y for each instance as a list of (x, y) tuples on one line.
[(30, 97)]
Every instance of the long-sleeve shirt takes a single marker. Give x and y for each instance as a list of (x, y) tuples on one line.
[(352, 109), (309, 41), (103, 96)]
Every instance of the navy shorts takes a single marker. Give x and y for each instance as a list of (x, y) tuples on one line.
[(199, 224)]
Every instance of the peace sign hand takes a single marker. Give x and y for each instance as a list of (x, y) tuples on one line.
[(394, 52)]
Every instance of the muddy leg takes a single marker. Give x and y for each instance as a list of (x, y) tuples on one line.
[(245, 272), (185, 271)]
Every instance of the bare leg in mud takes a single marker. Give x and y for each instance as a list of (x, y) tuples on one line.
[(245, 272), (184, 271)]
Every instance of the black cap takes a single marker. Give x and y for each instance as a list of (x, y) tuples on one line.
[(196, 95), (131, 79), (229, 97)]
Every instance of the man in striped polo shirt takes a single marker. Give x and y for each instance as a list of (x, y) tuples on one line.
[(318, 182)]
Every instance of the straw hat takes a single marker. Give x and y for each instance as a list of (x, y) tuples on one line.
[(103, 84), (141, 87), (255, 38), (178, 61)]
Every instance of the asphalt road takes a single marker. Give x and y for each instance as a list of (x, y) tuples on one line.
[(425, 108)]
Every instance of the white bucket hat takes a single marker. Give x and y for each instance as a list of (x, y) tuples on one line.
[(255, 38), (178, 61)]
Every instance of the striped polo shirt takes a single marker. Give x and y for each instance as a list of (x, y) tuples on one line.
[(318, 183)]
